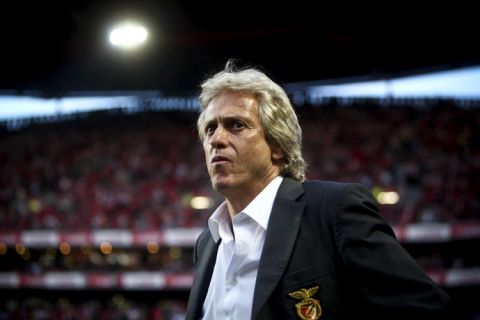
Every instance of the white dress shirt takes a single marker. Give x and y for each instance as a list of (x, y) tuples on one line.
[(230, 294)]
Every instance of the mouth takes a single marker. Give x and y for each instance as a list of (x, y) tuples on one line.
[(219, 159)]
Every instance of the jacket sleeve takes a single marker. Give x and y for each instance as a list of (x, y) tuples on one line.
[(203, 260), (380, 270), (200, 246)]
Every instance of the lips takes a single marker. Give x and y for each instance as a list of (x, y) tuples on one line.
[(217, 159)]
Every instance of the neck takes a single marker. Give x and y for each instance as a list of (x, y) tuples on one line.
[(239, 198)]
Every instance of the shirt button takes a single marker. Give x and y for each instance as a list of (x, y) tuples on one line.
[(231, 282)]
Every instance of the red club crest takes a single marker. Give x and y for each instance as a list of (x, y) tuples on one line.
[(308, 308)]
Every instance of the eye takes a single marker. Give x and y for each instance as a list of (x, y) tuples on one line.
[(210, 129), (238, 125)]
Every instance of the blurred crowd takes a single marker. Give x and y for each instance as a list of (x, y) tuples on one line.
[(116, 307), (107, 171), (429, 156), (38, 261), (140, 170)]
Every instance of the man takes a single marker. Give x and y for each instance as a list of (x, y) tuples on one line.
[(283, 248)]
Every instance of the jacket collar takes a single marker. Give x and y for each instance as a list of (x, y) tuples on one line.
[(203, 274), (282, 231)]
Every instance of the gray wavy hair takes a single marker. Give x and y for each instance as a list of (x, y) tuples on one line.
[(278, 118)]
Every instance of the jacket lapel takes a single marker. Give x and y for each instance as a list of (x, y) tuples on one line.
[(203, 274), (282, 231)]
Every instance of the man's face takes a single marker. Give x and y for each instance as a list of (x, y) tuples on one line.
[(237, 155)]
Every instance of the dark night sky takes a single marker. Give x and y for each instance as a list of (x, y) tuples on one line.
[(62, 46)]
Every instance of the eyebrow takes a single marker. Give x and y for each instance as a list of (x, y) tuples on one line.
[(227, 118)]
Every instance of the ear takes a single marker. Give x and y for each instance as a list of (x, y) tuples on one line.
[(277, 154)]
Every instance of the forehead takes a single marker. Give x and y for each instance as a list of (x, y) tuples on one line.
[(231, 104)]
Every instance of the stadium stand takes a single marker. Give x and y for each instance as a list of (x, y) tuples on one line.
[(96, 215)]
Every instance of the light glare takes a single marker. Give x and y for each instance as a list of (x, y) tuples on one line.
[(128, 35), (106, 248), (65, 248), (388, 197), (200, 203), (153, 247)]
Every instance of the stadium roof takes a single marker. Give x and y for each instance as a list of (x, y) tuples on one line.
[(458, 84), (60, 47)]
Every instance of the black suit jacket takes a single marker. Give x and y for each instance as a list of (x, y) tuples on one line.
[(329, 235)]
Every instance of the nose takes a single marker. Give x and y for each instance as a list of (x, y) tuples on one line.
[(219, 138)]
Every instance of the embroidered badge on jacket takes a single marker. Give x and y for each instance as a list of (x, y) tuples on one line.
[(308, 308)]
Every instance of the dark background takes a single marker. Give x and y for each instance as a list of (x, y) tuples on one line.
[(59, 47)]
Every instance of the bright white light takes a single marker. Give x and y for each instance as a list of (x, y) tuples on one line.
[(201, 203), (460, 83), (13, 107), (389, 197), (128, 35), (359, 89)]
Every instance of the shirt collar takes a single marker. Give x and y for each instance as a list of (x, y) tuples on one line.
[(259, 209), (219, 217)]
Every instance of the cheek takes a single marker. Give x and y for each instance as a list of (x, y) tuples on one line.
[(206, 152), (261, 149)]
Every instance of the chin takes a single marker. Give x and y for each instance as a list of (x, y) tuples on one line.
[(221, 184)]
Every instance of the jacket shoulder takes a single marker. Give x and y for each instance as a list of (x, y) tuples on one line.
[(203, 239), (333, 189), (201, 243)]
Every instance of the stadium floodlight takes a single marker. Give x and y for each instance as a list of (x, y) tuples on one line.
[(201, 203), (388, 197), (128, 35)]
